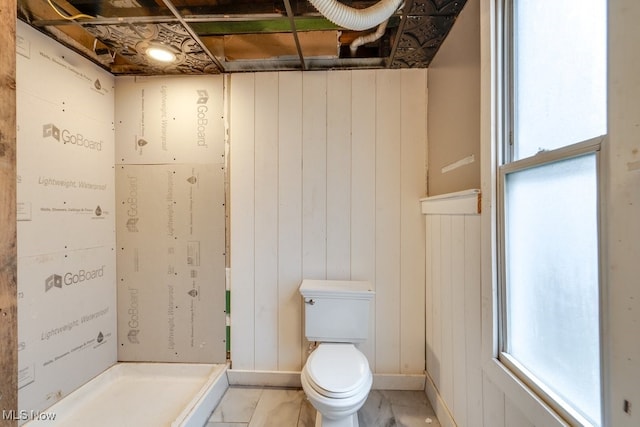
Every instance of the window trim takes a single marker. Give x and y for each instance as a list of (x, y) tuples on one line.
[(505, 164), (501, 387), (507, 82), (547, 395)]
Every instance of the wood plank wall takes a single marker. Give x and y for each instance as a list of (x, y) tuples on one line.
[(453, 316), (462, 395), (327, 169), (8, 254)]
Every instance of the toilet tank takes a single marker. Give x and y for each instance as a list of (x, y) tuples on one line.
[(336, 310)]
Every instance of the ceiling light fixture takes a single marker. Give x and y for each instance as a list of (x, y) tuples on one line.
[(161, 54)]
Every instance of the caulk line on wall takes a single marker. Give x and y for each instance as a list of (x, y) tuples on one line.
[(455, 165)]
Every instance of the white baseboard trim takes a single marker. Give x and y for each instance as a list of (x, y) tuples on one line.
[(264, 378), (438, 404), (398, 381), (292, 379)]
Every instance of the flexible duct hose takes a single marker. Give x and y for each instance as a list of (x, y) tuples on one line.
[(356, 19), (371, 37)]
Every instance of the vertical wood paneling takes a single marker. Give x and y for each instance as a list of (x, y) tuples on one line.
[(242, 175), (412, 252), (459, 403), (326, 172), (290, 221), (388, 221), (514, 417), (363, 179), (473, 317), (446, 302), (438, 310), (314, 183), (429, 285), (453, 333), (266, 221), (494, 402), (338, 175)]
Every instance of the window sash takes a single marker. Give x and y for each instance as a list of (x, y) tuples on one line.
[(508, 94), (543, 158)]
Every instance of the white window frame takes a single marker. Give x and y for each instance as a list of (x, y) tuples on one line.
[(502, 367)]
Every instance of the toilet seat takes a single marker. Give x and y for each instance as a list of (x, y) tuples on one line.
[(336, 409), (337, 371)]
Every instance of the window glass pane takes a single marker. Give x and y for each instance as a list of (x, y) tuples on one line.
[(552, 278), (559, 73)]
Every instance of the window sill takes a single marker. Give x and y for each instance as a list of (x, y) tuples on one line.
[(534, 408)]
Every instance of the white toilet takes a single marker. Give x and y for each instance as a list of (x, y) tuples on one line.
[(336, 377)]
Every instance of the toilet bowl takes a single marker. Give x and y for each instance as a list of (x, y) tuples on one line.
[(337, 381)]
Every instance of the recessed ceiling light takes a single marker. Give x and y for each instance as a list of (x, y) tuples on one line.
[(161, 54)]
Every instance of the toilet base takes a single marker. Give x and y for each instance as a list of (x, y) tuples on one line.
[(350, 421)]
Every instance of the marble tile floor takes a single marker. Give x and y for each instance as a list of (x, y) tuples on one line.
[(284, 407)]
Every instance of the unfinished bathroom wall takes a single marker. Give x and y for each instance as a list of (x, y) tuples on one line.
[(66, 221), (170, 219), (454, 107), (327, 169)]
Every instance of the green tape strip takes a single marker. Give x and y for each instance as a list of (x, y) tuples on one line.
[(228, 310)]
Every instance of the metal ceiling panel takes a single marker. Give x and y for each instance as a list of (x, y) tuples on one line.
[(276, 35), (131, 41)]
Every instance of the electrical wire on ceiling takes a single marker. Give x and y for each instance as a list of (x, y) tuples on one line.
[(69, 18)]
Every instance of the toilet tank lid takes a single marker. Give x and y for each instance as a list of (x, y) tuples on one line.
[(336, 288)]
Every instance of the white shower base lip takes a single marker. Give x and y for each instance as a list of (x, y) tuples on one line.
[(143, 394)]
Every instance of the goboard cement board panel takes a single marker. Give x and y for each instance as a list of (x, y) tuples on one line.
[(170, 256)]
